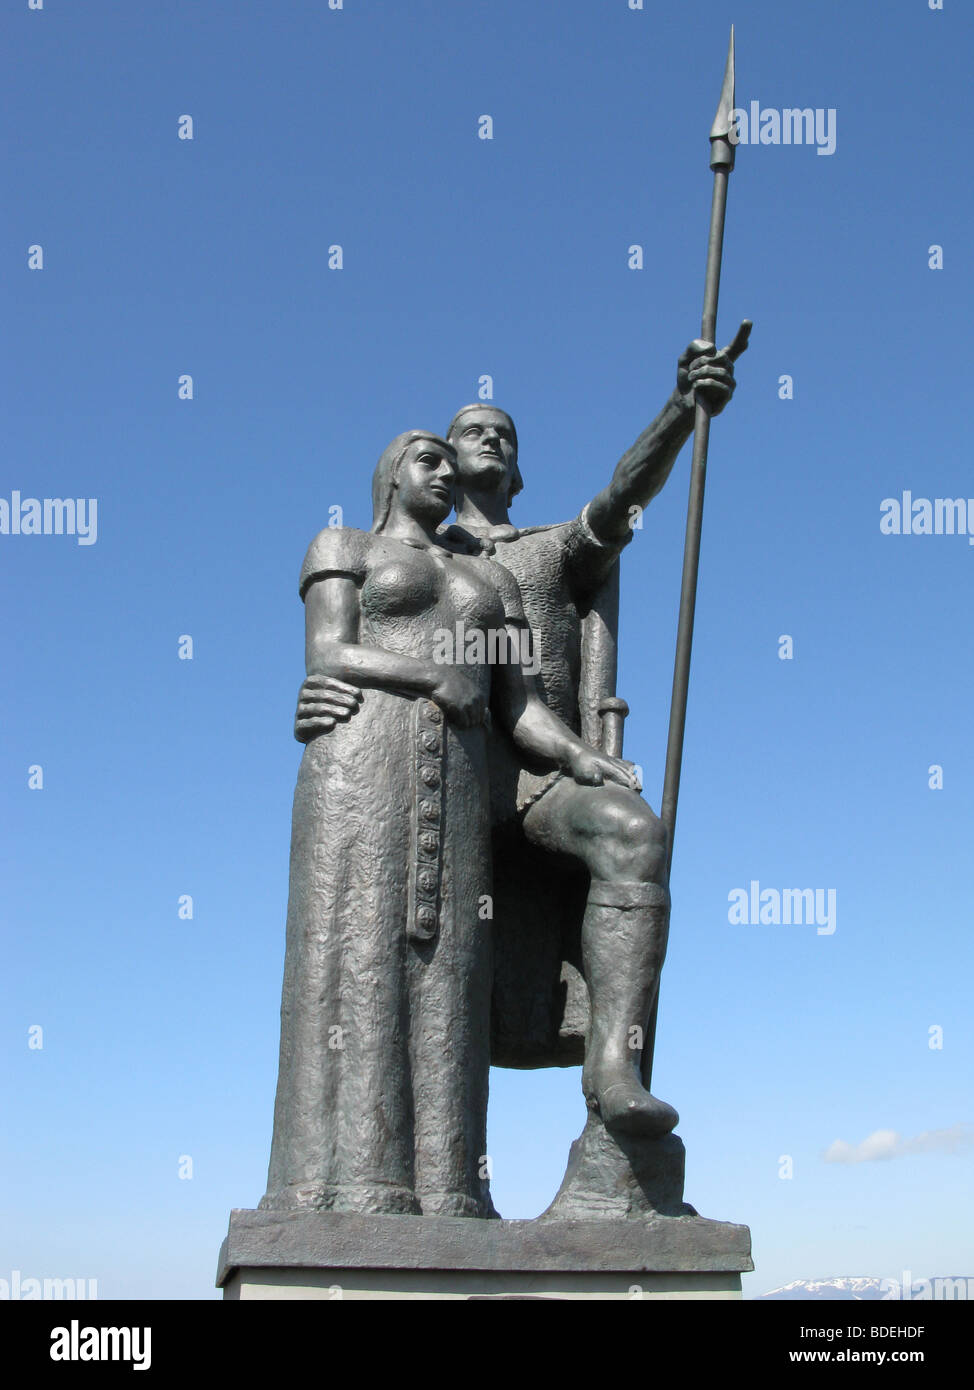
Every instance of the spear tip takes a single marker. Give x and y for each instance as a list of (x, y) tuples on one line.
[(722, 121)]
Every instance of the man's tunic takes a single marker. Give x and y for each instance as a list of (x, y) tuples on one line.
[(559, 569)]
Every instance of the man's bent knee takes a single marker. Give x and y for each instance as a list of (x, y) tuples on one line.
[(628, 841)]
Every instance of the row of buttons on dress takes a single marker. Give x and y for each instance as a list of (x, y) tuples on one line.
[(424, 904)]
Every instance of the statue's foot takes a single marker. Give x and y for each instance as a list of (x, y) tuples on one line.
[(455, 1204), (626, 1107), (376, 1199)]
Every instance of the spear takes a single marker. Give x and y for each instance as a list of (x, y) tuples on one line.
[(721, 162)]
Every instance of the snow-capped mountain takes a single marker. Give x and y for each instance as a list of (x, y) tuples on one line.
[(862, 1288), (845, 1288)]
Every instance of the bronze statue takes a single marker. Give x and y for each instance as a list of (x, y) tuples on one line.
[(476, 880), (581, 870), (581, 876)]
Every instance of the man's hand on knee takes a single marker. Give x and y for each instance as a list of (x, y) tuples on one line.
[(591, 768)]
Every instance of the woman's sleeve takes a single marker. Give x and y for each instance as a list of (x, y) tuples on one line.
[(510, 594), (335, 550)]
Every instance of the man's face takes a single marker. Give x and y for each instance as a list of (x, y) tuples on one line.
[(486, 452)]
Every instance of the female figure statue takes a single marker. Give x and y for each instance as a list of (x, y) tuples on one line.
[(385, 1019)]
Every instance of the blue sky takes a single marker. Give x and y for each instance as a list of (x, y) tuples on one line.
[(462, 256)]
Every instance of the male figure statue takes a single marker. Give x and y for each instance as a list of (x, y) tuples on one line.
[(609, 830)]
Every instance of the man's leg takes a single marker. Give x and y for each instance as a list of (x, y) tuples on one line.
[(615, 834)]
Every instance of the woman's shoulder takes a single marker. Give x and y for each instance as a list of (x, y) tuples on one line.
[(337, 550)]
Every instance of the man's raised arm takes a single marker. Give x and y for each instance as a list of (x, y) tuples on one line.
[(641, 472)]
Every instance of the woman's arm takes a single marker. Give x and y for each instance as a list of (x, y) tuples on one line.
[(333, 652), (332, 646), (537, 730)]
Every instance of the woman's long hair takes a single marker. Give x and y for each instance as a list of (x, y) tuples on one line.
[(387, 471)]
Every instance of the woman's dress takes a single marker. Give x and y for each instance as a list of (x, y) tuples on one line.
[(385, 1020)]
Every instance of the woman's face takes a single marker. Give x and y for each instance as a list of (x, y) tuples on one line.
[(426, 482)]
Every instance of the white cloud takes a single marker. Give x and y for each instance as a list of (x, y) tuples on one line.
[(886, 1143)]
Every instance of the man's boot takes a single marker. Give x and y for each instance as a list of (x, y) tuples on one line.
[(624, 933)]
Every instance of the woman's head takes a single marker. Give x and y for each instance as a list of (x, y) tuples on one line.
[(417, 472)]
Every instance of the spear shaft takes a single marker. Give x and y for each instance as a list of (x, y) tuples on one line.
[(691, 549), (721, 162)]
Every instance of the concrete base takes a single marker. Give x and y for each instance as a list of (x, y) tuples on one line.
[(336, 1255)]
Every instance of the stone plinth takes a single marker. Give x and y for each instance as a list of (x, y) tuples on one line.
[(337, 1255)]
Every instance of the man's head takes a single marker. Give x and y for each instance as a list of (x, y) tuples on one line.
[(486, 443)]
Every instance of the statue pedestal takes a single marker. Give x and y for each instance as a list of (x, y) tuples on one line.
[(333, 1255)]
